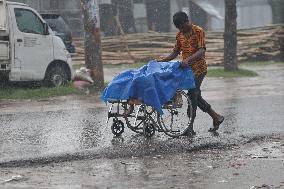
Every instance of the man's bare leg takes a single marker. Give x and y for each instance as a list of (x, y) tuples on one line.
[(190, 131), (217, 120)]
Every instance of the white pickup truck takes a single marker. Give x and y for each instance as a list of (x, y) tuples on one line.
[(29, 50)]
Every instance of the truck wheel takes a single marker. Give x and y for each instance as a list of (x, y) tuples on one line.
[(56, 76)]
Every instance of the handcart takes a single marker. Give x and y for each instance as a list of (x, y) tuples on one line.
[(176, 117)]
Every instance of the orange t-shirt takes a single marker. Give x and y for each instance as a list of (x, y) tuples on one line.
[(188, 44)]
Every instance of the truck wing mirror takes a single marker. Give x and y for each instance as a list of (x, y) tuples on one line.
[(46, 29)]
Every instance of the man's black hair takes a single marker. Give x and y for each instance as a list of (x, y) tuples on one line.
[(180, 18)]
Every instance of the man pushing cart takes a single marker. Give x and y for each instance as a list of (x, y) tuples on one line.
[(159, 86)]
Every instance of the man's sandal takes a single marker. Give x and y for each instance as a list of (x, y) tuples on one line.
[(216, 124), (188, 132)]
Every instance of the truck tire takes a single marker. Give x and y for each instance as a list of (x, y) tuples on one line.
[(56, 76)]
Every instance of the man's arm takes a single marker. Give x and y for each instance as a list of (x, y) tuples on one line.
[(173, 55), (198, 54), (170, 57)]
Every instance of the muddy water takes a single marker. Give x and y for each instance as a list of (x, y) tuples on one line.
[(251, 165), (176, 171)]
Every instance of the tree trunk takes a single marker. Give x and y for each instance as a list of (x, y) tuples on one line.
[(93, 52), (230, 36)]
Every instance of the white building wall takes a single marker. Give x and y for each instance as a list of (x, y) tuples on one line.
[(104, 1), (140, 15), (251, 13), (254, 15)]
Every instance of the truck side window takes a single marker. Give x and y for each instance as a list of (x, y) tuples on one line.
[(28, 22)]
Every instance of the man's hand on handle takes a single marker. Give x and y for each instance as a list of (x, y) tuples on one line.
[(183, 64), (159, 60)]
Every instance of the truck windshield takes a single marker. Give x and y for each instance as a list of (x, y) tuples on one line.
[(28, 22)]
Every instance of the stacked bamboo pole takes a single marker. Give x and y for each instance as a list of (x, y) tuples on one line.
[(253, 44)]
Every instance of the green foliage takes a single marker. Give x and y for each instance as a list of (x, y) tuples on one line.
[(28, 92), (219, 72), (260, 63)]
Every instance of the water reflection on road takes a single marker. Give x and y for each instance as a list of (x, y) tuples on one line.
[(72, 126)]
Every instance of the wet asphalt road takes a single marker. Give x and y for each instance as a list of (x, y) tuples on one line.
[(74, 128)]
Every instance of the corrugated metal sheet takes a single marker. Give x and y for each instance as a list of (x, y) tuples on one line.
[(210, 9)]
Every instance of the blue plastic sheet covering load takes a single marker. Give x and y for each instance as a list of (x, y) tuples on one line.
[(154, 84)]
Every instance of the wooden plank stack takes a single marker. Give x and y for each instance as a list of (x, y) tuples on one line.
[(253, 44)]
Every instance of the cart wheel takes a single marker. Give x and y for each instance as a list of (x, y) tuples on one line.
[(148, 130), (177, 115), (117, 127)]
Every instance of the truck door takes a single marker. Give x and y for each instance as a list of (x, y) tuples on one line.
[(3, 15), (33, 48)]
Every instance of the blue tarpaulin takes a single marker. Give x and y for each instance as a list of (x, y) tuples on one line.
[(154, 84)]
